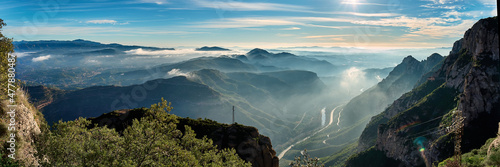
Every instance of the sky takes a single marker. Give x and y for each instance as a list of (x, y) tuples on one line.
[(247, 23)]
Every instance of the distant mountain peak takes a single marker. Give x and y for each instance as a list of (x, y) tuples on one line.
[(408, 59), (213, 48), (257, 51), (435, 57)]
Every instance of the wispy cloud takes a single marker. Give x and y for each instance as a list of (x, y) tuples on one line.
[(364, 3), (247, 6), (442, 31), (40, 58), (443, 1), (325, 36), (92, 31), (291, 28), (253, 22), (436, 27), (159, 2), (102, 21), (369, 14), (434, 6), (180, 52), (489, 2), (246, 22)]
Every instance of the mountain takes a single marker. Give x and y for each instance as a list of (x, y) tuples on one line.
[(400, 80), (213, 48), (224, 64), (421, 127), (336, 143), (79, 63), (270, 101), (41, 96), (185, 95), (249, 144), (284, 60), (236, 63), (78, 44)]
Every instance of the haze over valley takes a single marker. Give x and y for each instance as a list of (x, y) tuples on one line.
[(250, 83)]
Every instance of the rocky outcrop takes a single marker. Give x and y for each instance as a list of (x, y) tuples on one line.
[(421, 125), (27, 126), (248, 143), (400, 80)]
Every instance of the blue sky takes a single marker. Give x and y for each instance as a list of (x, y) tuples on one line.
[(247, 23)]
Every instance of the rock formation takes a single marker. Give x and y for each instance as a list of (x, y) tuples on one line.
[(420, 127), (27, 126), (248, 143)]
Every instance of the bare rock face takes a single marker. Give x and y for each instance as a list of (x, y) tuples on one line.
[(27, 126), (471, 77), (482, 83), (249, 144)]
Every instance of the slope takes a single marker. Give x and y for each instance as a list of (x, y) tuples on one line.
[(420, 127)]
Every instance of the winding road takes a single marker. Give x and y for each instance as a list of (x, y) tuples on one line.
[(300, 141)]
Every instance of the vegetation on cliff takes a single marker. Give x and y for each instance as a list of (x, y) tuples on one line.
[(152, 140)]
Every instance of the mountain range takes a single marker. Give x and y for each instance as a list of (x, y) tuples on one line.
[(416, 116), (459, 100)]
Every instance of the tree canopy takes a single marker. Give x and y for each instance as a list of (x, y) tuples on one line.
[(153, 140)]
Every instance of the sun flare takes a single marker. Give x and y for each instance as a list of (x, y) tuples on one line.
[(351, 2)]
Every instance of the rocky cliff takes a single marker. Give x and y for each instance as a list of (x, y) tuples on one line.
[(28, 125), (248, 143), (400, 80), (419, 128)]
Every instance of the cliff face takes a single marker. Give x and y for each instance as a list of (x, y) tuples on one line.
[(400, 80), (27, 123), (248, 143), (418, 128)]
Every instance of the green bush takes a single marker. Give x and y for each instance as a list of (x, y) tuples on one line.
[(151, 141)]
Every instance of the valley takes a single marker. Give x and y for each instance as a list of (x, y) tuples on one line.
[(249, 83)]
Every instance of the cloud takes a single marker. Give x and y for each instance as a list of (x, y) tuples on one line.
[(488, 2), (434, 6), (22, 54), (246, 6), (177, 72), (363, 3), (326, 36), (140, 51), (252, 22), (453, 13), (247, 22), (353, 79), (369, 14), (40, 58), (291, 28), (102, 21), (181, 52), (443, 1), (159, 2), (29, 31), (435, 26), (442, 31)]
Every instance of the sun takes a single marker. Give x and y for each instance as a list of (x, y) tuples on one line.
[(351, 2)]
